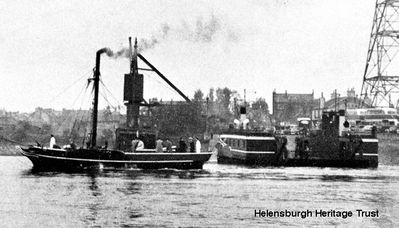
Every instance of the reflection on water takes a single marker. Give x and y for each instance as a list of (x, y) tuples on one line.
[(219, 195), (95, 204), (337, 178)]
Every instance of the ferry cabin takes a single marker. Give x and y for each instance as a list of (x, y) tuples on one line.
[(257, 148)]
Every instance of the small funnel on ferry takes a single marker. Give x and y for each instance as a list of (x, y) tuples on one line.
[(243, 117), (243, 113)]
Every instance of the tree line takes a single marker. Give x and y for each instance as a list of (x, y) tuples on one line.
[(208, 113)]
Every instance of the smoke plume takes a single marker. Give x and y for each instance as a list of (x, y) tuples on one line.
[(202, 31)]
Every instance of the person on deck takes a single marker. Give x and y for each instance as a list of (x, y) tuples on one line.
[(72, 144), (140, 144), (191, 144), (105, 145), (197, 145), (168, 145), (182, 145), (52, 141), (374, 131), (159, 146), (134, 144)]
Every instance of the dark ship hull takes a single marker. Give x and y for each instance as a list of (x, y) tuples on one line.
[(366, 157), (275, 161), (80, 159)]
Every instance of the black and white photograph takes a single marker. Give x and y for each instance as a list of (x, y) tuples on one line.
[(199, 113)]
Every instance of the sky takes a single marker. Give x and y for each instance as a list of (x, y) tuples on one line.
[(48, 48)]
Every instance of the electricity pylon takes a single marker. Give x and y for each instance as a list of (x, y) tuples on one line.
[(381, 74)]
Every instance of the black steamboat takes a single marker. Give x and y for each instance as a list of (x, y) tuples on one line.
[(122, 156)]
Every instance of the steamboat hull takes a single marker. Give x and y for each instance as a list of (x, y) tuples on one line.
[(229, 156), (273, 161), (365, 156), (63, 160), (354, 163)]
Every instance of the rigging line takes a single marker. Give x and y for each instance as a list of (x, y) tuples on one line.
[(85, 132), (68, 87), (84, 99), (83, 109), (73, 127), (161, 83), (106, 99), (82, 91), (74, 113), (104, 94), (69, 114), (81, 119), (102, 83), (119, 106), (82, 114), (79, 124), (12, 141), (79, 111)]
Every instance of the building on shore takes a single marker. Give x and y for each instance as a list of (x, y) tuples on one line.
[(350, 101), (338, 102), (288, 107)]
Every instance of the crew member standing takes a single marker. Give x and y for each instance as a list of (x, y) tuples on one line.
[(191, 144), (52, 141), (197, 145), (134, 144), (182, 145), (159, 147), (140, 144), (168, 145)]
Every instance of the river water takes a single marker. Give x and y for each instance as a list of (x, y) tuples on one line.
[(217, 196)]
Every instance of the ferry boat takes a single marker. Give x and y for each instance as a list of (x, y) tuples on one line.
[(249, 147), (333, 145), (240, 145), (94, 156)]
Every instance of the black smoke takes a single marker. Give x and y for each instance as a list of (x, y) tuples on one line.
[(203, 30)]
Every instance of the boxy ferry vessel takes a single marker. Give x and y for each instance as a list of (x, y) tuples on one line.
[(333, 145)]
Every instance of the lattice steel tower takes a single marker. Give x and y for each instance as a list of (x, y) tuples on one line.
[(381, 74)]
